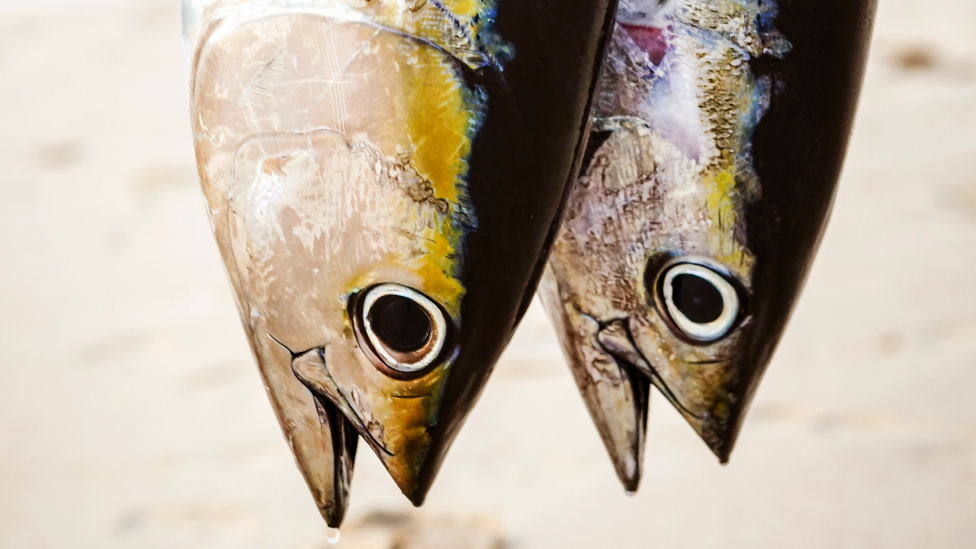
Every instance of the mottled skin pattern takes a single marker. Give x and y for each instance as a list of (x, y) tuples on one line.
[(669, 176), (332, 140)]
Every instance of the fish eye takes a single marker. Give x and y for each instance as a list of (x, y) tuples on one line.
[(401, 323), (403, 328), (701, 302)]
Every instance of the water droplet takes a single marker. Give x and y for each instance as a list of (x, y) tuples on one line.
[(630, 494), (333, 535)]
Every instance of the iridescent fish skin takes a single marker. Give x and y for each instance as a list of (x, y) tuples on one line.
[(664, 202), (314, 205), (350, 153)]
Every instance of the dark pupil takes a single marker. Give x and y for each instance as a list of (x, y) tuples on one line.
[(697, 298), (402, 324)]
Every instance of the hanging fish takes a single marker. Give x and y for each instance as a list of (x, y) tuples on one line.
[(383, 178), (719, 131)]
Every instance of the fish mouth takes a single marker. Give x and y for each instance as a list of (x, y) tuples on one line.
[(309, 367), (392, 416), (615, 339)]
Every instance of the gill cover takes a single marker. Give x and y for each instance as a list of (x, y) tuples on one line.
[(719, 131), (382, 179)]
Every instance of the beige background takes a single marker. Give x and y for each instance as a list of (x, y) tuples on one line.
[(132, 416)]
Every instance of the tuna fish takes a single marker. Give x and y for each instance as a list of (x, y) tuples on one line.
[(719, 128)]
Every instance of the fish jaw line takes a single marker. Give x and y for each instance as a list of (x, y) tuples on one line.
[(616, 396), (320, 383), (616, 340), (715, 412), (395, 422)]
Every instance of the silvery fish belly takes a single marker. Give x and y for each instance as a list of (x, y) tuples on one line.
[(382, 178), (718, 134)]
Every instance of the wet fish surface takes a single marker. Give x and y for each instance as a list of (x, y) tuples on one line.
[(719, 129)]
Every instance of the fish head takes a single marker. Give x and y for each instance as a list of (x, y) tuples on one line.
[(650, 282), (357, 277), (334, 157), (707, 183)]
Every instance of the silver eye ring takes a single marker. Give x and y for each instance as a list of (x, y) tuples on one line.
[(701, 303), (405, 329)]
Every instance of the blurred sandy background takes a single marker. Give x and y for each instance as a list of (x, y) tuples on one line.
[(132, 416)]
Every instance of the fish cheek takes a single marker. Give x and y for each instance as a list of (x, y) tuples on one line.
[(699, 376), (392, 411), (395, 416)]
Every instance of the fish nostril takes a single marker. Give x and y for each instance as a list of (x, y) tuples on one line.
[(401, 323)]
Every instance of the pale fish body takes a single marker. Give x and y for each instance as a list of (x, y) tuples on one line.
[(664, 189), (333, 139)]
